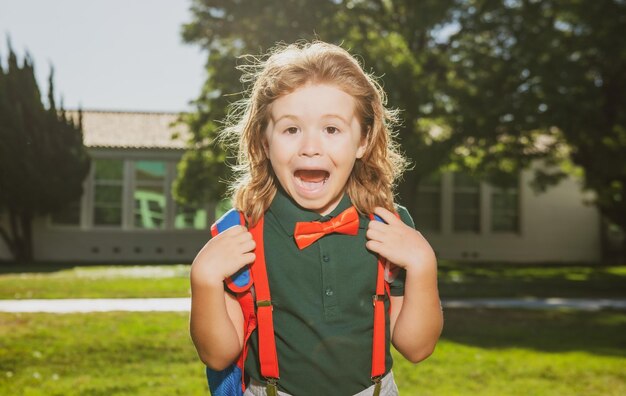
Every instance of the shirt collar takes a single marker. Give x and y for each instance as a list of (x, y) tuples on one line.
[(288, 212)]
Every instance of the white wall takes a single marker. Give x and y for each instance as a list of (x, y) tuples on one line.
[(122, 244), (178, 246), (555, 226)]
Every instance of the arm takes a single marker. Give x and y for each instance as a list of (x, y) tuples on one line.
[(216, 322), (416, 318)]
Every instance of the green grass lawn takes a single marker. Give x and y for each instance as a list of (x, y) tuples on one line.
[(95, 282), (456, 280), (482, 352)]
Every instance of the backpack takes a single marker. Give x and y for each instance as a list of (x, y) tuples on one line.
[(257, 312)]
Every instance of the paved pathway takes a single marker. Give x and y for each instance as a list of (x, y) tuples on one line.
[(96, 305), (183, 304), (585, 304)]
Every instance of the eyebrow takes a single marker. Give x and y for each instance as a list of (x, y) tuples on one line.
[(288, 116), (295, 118)]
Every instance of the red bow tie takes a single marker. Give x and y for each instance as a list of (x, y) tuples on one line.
[(307, 232)]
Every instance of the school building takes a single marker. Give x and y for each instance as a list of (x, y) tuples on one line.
[(127, 213)]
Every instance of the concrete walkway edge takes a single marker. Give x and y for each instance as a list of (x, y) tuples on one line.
[(184, 304)]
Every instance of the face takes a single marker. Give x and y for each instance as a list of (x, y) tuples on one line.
[(313, 140)]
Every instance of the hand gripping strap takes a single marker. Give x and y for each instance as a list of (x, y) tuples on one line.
[(391, 270), (231, 381), (241, 280)]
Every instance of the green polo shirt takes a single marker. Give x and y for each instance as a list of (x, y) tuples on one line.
[(322, 298)]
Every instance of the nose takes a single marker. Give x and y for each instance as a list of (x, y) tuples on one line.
[(311, 144)]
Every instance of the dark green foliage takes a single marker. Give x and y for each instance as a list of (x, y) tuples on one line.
[(391, 38), (486, 85), (42, 158), (545, 79)]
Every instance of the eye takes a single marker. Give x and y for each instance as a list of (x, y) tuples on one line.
[(291, 130), (331, 130)]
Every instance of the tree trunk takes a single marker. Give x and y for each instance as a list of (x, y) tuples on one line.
[(27, 229), (612, 243), (20, 242), (10, 242)]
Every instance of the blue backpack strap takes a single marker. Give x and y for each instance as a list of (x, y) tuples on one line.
[(240, 281), (228, 382)]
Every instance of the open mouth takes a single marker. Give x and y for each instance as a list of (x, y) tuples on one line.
[(311, 179)]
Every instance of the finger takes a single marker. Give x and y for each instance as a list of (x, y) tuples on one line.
[(232, 232), (247, 258), (377, 225), (247, 246), (375, 234), (240, 229), (243, 237), (244, 259), (241, 261), (389, 217), (374, 246), (377, 247)]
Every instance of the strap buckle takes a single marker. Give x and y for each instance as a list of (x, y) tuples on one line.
[(377, 378), (377, 384), (376, 298), (270, 388), (264, 303)]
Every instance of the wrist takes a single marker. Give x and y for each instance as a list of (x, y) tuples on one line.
[(422, 266), (206, 280)]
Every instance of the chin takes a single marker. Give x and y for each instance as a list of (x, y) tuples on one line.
[(322, 205)]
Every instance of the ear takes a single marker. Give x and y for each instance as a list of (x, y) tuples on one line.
[(266, 147), (360, 151), (265, 143)]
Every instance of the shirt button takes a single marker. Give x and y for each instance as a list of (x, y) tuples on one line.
[(329, 292), (325, 258)]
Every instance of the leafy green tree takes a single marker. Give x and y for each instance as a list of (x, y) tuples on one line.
[(487, 85), (543, 80), (392, 38), (42, 158)]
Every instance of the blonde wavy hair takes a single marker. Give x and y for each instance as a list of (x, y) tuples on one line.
[(284, 69)]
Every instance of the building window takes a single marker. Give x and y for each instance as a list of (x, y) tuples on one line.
[(428, 208), (505, 209), (466, 206), (108, 190), (69, 215), (190, 217), (149, 195)]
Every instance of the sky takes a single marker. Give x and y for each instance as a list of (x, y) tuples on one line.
[(107, 54)]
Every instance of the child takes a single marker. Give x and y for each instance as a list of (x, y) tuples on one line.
[(314, 141)]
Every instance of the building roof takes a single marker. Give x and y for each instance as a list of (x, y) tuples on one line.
[(125, 129)]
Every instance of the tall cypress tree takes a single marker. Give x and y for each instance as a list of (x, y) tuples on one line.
[(42, 158)]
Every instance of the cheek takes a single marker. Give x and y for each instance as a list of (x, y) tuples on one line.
[(279, 159)]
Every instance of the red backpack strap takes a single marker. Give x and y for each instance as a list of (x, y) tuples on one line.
[(378, 339), (260, 318), (265, 322), (384, 276), (246, 301)]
